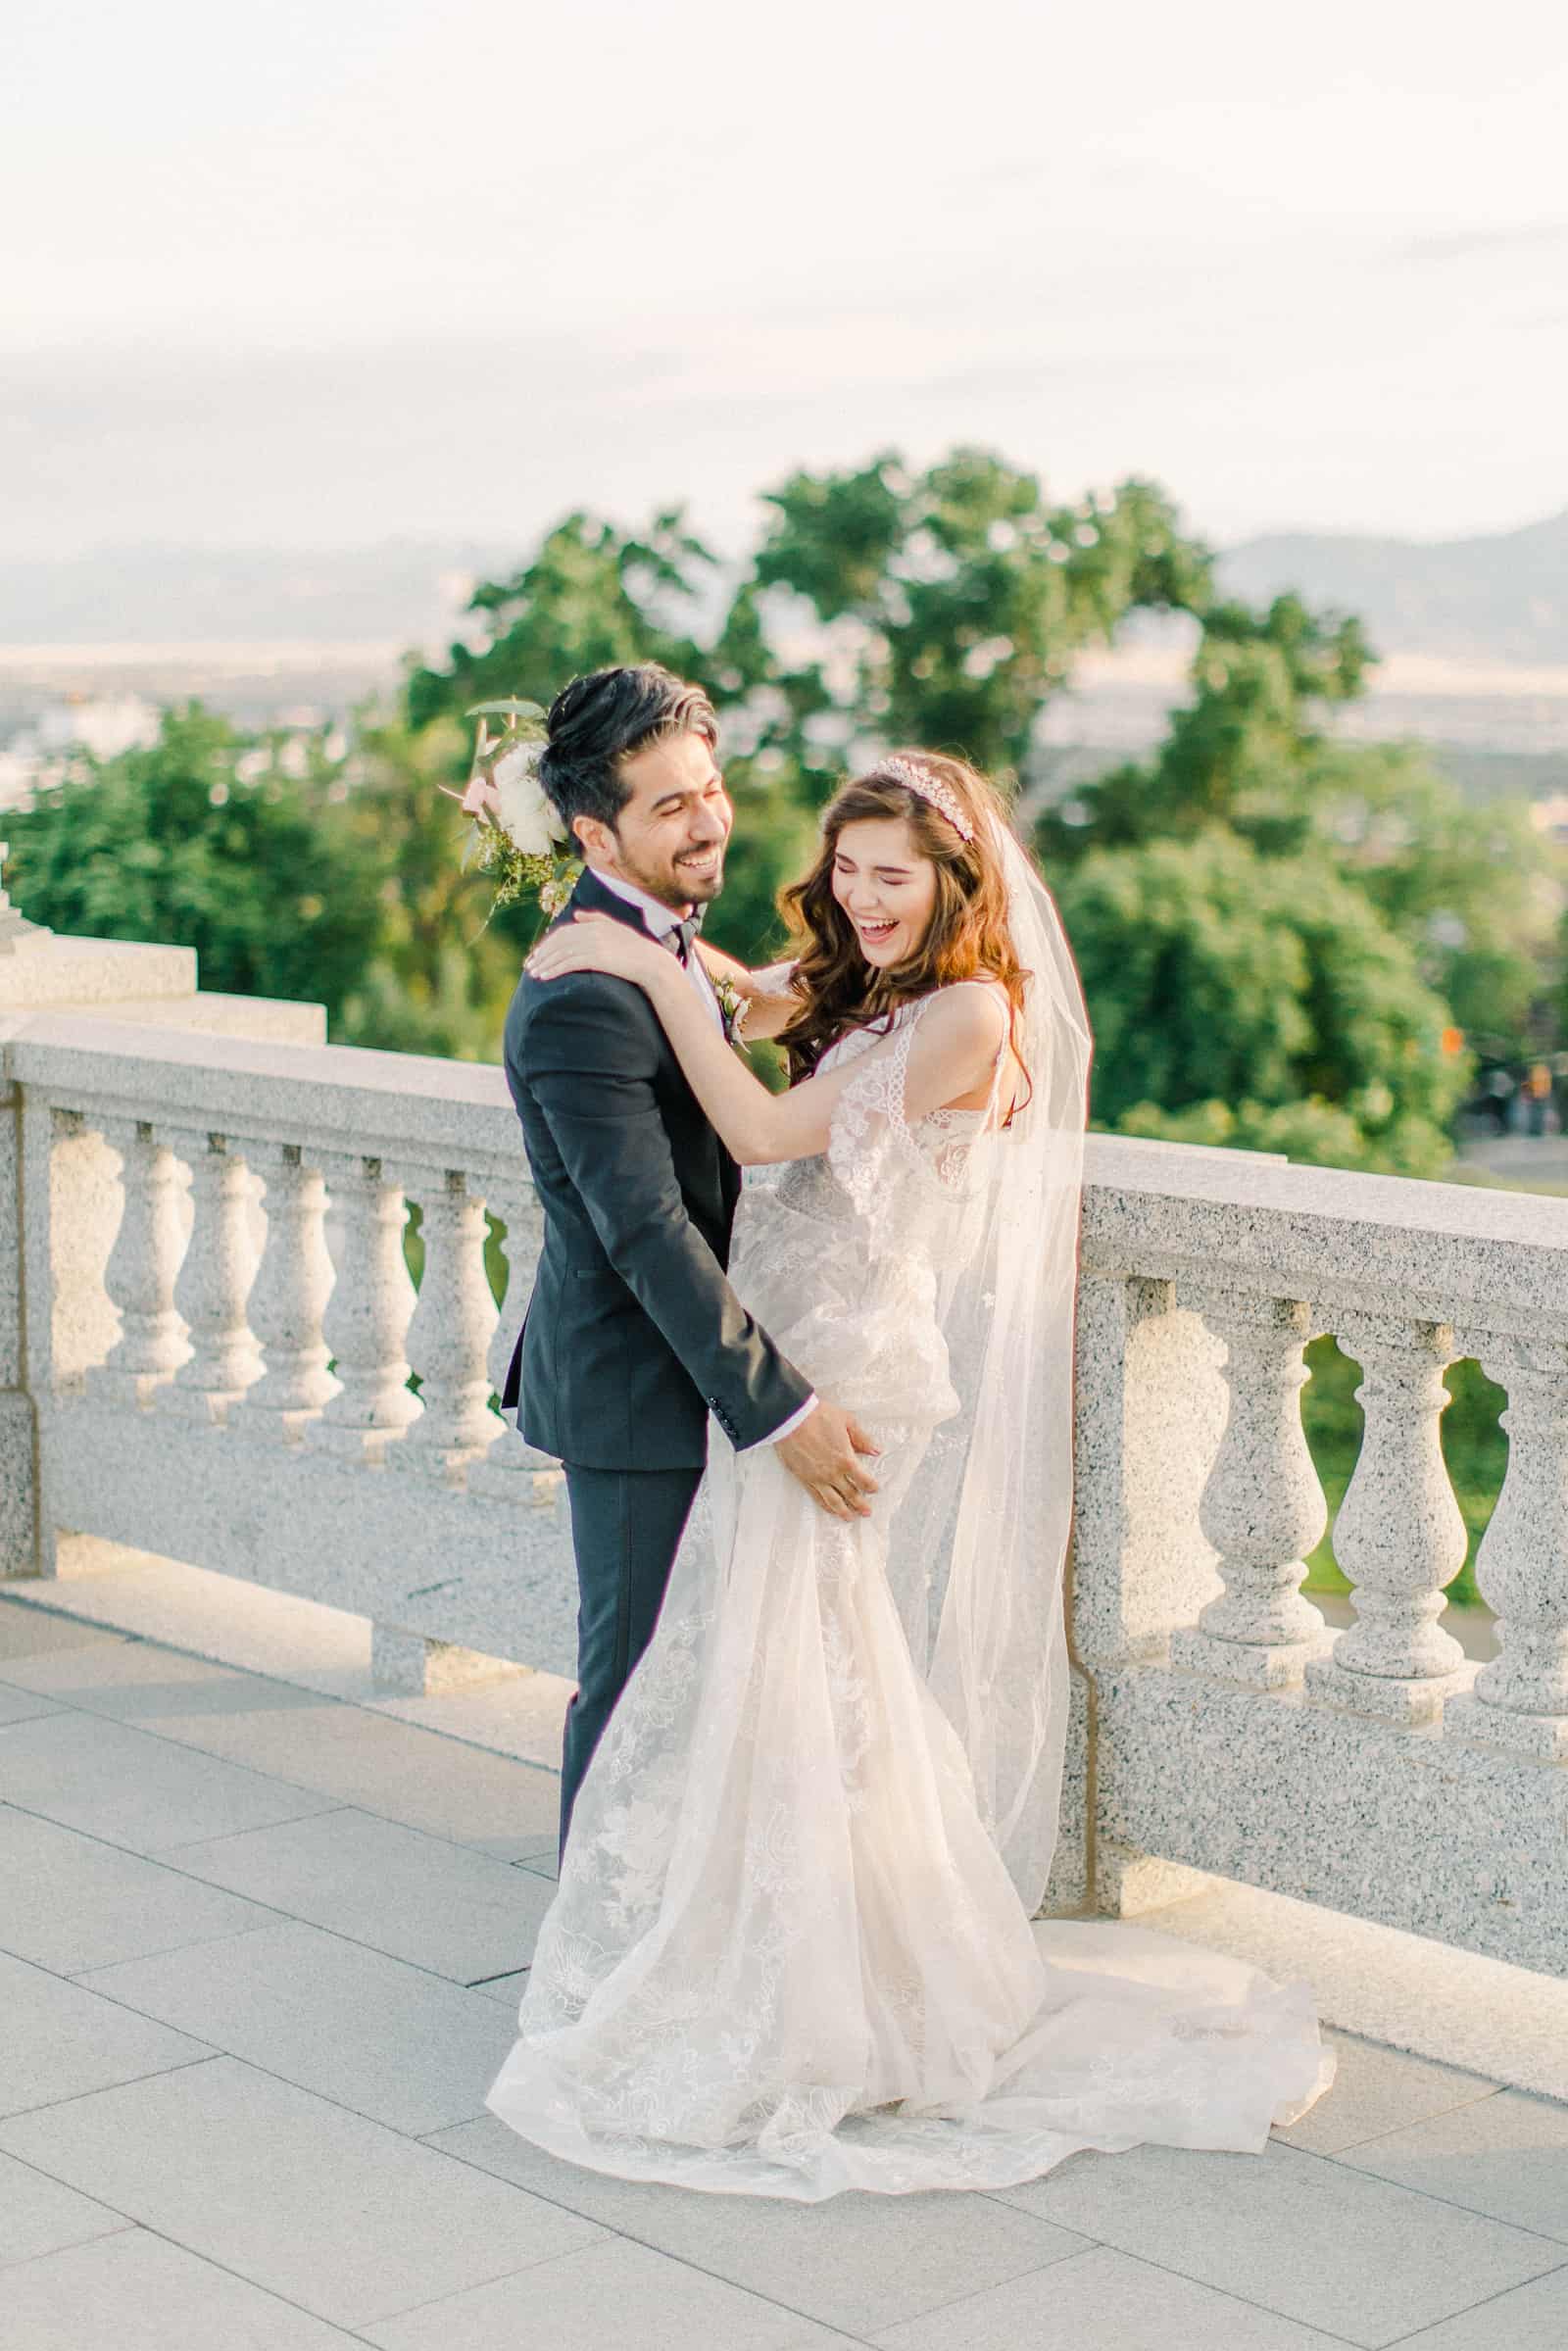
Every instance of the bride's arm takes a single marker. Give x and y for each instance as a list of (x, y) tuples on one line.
[(953, 1050), (768, 1003)]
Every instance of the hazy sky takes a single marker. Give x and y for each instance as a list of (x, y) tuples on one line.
[(329, 270)]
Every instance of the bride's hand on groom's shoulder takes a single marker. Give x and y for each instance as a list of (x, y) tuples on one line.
[(597, 943)]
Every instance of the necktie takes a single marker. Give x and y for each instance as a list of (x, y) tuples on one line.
[(681, 937)]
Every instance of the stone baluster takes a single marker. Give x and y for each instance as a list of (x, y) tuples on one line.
[(1262, 1507), (1398, 1537), (144, 1264), (1520, 1700), (214, 1282), (448, 1336), (286, 1304), (367, 1314), (512, 1470)]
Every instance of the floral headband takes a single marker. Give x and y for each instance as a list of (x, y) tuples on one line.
[(941, 796)]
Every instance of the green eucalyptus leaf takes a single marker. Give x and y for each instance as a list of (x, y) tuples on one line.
[(507, 709)]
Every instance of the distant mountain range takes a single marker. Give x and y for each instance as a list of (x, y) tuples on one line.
[(1501, 598), (403, 593)]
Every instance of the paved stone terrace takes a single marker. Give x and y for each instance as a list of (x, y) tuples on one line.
[(260, 1947)]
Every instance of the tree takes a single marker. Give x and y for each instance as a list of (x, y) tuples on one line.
[(1257, 1001), (239, 848), (1476, 890), (441, 975), (592, 597), (1242, 752), (944, 607)]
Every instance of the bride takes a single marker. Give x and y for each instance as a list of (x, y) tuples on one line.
[(793, 1951)]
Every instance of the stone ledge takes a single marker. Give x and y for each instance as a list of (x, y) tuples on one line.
[(1430, 1834), (454, 1567)]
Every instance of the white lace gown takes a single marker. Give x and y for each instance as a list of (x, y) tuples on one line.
[(785, 1957)]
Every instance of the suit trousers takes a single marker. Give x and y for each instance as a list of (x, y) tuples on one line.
[(626, 1528)]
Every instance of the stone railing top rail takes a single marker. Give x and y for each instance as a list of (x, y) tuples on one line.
[(1377, 1243), (1493, 1260), (339, 1097)]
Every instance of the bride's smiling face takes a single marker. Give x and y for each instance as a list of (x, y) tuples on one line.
[(886, 888)]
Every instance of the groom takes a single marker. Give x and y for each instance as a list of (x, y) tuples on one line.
[(633, 1335)]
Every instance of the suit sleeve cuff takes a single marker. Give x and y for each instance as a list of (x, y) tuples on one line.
[(786, 1428)]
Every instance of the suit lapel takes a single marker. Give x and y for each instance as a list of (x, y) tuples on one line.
[(590, 897)]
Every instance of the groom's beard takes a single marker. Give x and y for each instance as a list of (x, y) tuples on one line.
[(674, 883)]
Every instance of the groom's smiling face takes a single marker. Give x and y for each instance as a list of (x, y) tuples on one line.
[(669, 840)]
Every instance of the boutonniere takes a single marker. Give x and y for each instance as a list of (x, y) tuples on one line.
[(733, 1006), (516, 836)]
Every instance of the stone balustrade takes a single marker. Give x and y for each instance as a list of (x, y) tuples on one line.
[(213, 1349)]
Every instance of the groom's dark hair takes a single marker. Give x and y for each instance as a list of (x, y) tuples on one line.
[(598, 720)]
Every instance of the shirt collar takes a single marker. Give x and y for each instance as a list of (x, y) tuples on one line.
[(660, 918)]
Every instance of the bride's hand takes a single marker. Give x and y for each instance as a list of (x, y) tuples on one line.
[(599, 943)]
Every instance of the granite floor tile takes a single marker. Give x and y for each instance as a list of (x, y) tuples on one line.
[(389, 2040), (1376, 2090), (37, 2215), (139, 2292), (1100, 2300), (508, 1990), (70, 1901), (1301, 2234), (120, 1672), (348, 2219), (611, 2296), (59, 2039), (1531, 2318), (132, 1788), (31, 1631), (354, 1754), (422, 1898), (20, 1705), (1506, 2156), (857, 2261)]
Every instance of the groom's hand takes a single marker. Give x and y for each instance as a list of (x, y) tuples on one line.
[(824, 1454)]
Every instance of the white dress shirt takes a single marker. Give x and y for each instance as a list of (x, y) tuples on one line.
[(660, 921)]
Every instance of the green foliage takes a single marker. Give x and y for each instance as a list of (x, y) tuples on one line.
[(1257, 1001), (1475, 890), (1242, 752), (592, 596), (945, 606), (440, 976), (244, 850), (1474, 1446)]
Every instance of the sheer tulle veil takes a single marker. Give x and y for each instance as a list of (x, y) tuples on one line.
[(978, 1547)]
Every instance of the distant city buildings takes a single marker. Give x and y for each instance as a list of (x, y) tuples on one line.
[(40, 749)]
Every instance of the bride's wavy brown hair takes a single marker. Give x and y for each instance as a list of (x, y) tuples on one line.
[(966, 938)]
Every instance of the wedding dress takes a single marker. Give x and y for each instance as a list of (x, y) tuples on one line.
[(791, 1951)]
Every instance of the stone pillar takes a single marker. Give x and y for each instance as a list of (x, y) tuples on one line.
[(512, 1470), (367, 1314), (144, 1266), (288, 1303), (1262, 1508), (19, 1494), (214, 1285), (448, 1336), (1148, 1411), (1400, 1536), (1520, 1700)]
